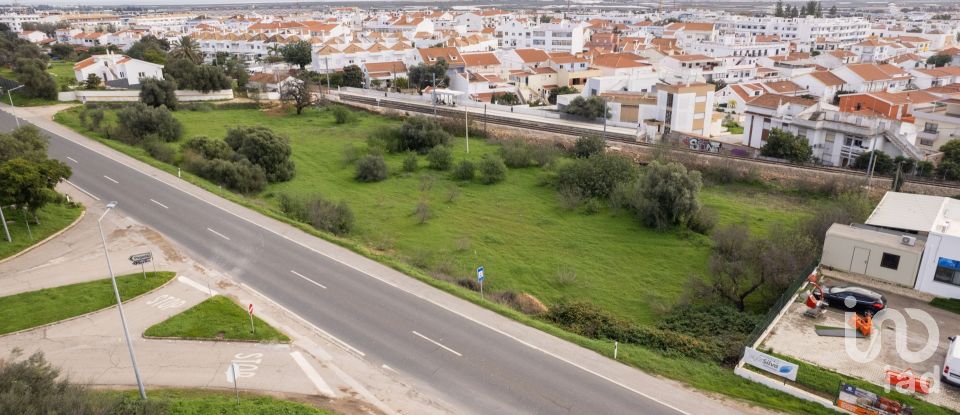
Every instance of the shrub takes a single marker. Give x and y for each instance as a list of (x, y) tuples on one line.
[(665, 195), (138, 121), (410, 162), (516, 154), (341, 115), (722, 325), (597, 176), (336, 218), (158, 92), (784, 145), (440, 158), (589, 146), (592, 207), (209, 148), (422, 212), (371, 168), (37, 83), (464, 170), (589, 108), (492, 169), (160, 151), (522, 302), (418, 133), (264, 148), (703, 221), (569, 197), (240, 176)]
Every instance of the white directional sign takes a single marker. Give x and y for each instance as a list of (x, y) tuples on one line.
[(479, 274), (140, 259)]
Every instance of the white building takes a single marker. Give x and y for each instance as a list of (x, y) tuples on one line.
[(804, 30), (16, 21), (565, 36), (120, 68)]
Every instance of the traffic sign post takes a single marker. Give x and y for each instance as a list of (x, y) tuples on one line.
[(480, 280), (141, 259), (250, 311), (235, 376)]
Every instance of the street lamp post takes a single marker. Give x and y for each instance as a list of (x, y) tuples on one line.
[(116, 292), (13, 109)]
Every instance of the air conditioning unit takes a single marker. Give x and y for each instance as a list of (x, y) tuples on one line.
[(908, 240)]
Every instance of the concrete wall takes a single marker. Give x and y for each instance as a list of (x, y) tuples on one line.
[(127, 95)]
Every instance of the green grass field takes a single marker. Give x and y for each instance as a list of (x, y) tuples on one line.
[(515, 229), (202, 402), (216, 318), (36, 308), (53, 218)]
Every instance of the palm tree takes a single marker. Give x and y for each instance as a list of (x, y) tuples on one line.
[(187, 48)]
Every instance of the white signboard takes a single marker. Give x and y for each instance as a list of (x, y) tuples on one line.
[(770, 364)]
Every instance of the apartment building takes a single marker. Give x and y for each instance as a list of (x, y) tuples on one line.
[(801, 30), (15, 21), (686, 107), (562, 36), (938, 124)]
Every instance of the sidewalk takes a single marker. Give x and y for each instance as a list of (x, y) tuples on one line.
[(91, 349)]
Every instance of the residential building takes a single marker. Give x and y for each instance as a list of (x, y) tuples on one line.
[(867, 77), (938, 124), (117, 70), (686, 107), (15, 21)]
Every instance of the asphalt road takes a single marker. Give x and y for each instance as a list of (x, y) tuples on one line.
[(475, 368)]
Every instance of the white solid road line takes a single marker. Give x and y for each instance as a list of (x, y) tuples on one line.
[(73, 160), (110, 179), (312, 374), (376, 277), (308, 279), (196, 285), (159, 204), (438, 344), (82, 190), (218, 234)]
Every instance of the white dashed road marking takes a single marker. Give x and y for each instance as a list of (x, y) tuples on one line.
[(218, 234), (308, 279), (110, 179), (438, 344), (159, 204)]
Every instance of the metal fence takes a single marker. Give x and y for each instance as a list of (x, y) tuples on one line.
[(777, 309)]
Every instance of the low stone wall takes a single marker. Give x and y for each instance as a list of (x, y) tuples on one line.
[(128, 95)]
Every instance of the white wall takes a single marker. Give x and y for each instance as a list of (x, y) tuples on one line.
[(133, 96), (938, 245)]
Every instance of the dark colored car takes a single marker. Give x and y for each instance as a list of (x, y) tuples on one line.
[(857, 299)]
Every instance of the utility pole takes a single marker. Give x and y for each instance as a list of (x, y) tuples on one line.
[(433, 91), (4, 220), (13, 108), (466, 122), (326, 62), (116, 292), (604, 119)]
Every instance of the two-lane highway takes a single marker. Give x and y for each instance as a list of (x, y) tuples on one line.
[(475, 367)]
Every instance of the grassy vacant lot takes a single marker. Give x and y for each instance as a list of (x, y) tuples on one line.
[(36, 308), (199, 402), (53, 217), (216, 318), (515, 229)]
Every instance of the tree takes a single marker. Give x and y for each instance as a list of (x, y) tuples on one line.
[(492, 169), (25, 142), (139, 121), (298, 53), (341, 115), (784, 145), (353, 76), (263, 148), (186, 48), (149, 48), (237, 69), (29, 184), (563, 90), (778, 10), (665, 195), (833, 11), (818, 12), (464, 170), (401, 83), (297, 91), (882, 162), (37, 83), (589, 108), (156, 92), (210, 78), (939, 60), (371, 168), (422, 74), (63, 51), (596, 176), (588, 146), (93, 82), (440, 158), (418, 133)]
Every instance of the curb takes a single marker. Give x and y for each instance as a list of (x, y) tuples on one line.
[(198, 339), (45, 240), (88, 313)]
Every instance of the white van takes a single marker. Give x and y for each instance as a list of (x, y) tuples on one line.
[(951, 364)]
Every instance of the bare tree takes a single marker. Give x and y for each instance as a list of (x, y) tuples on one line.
[(298, 92)]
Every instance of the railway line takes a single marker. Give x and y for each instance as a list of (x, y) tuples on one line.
[(611, 136)]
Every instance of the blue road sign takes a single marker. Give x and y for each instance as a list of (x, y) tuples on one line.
[(479, 274)]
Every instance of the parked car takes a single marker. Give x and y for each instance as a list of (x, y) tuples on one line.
[(951, 363), (857, 299)]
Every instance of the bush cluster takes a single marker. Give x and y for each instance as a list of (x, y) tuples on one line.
[(464, 170), (138, 121), (371, 168), (336, 218), (440, 158), (597, 176), (519, 154), (417, 133), (492, 169), (245, 161)]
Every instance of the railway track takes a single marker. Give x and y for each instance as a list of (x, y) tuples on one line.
[(611, 136)]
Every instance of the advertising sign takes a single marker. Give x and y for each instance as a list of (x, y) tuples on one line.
[(770, 364), (863, 402)]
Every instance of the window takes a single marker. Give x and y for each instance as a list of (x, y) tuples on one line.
[(930, 127), (948, 271), (890, 261)]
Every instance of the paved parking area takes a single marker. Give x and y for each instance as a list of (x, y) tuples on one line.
[(795, 336)]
